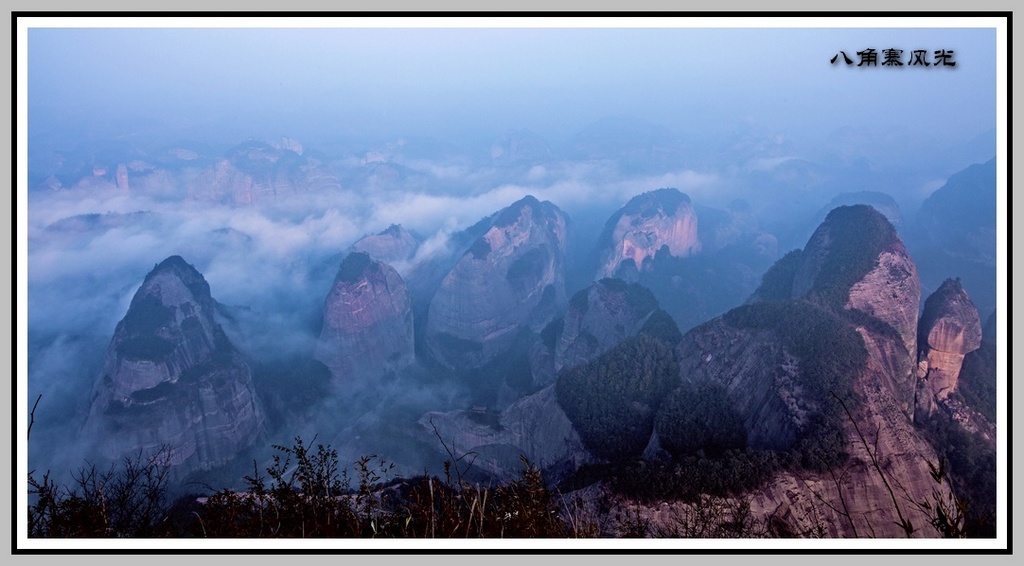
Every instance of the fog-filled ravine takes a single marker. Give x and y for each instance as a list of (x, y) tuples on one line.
[(655, 297)]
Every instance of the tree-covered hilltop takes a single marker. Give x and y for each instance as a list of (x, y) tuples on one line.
[(612, 400), (850, 239)]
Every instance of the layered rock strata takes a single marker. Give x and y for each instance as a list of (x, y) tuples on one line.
[(647, 223), (367, 327), (512, 277), (950, 329), (172, 380)]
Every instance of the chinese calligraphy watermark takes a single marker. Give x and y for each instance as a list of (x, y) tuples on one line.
[(893, 57)]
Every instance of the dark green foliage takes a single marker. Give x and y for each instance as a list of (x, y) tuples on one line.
[(528, 268), (352, 267), (638, 297), (612, 400), (972, 469), (699, 419), (146, 347), (977, 382), (580, 301), (188, 275), (662, 327), (648, 204), (875, 325), (698, 288), (830, 353), (510, 215), (480, 248), (777, 282), (686, 479), (552, 332), (309, 495), (303, 499), (511, 367), (147, 315), (128, 500), (856, 235), (291, 387)]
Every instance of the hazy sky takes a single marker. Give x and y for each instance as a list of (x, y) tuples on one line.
[(319, 83)]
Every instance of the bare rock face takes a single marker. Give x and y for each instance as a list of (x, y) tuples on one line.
[(648, 222), (172, 379), (368, 322), (511, 277), (600, 317), (891, 292), (257, 171), (950, 329), (393, 245), (534, 426)]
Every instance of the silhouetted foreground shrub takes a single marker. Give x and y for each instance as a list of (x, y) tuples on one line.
[(304, 493)]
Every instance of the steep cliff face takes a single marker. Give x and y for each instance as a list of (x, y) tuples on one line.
[(856, 265), (776, 385), (368, 322), (838, 316), (393, 245), (950, 329), (511, 277), (171, 378), (534, 426), (257, 171), (599, 317), (648, 222), (758, 375)]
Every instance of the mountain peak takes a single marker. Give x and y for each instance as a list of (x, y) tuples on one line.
[(171, 376), (842, 251), (663, 218)]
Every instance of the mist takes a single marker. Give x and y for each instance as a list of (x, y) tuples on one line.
[(435, 129)]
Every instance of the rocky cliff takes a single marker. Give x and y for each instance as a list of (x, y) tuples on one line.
[(950, 329), (511, 277), (172, 379), (856, 265), (535, 427), (599, 317), (256, 171), (646, 224), (368, 322), (393, 245), (821, 357)]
